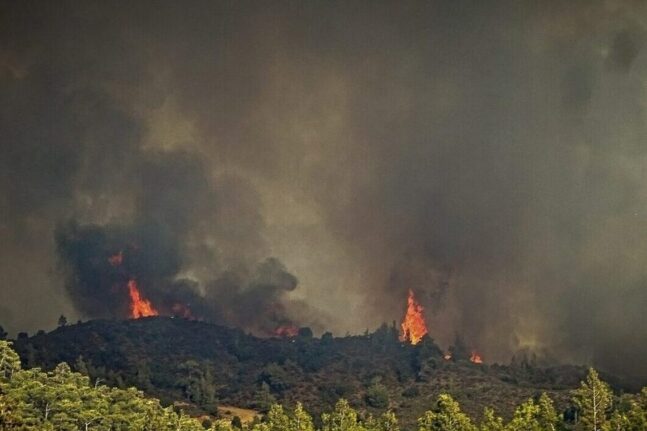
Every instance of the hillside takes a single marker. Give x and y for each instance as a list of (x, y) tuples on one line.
[(208, 365)]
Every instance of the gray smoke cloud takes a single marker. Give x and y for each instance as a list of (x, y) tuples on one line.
[(488, 155)]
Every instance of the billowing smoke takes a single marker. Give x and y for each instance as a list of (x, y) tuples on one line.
[(173, 198), (489, 155)]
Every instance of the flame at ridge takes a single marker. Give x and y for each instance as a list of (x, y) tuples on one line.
[(139, 307), (413, 324), (287, 331), (476, 358)]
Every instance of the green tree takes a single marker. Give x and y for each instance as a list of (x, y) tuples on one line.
[(377, 396), (490, 421), (342, 418), (387, 422), (546, 415), (525, 418), (237, 423), (447, 416), (62, 400), (593, 399), (263, 398), (9, 360), (632, 415), (301, 420)]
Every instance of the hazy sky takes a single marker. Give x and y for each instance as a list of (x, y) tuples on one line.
[(490, 155)]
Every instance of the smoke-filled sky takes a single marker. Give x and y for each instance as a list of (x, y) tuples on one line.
[(309, 162)]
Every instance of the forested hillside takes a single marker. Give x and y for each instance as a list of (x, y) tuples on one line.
[(31, 400), (204, 366)]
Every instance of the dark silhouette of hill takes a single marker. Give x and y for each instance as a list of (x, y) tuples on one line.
[(207, 365)]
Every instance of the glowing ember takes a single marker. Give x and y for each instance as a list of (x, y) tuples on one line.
[(139, 307), (117, 259), (413, 325), (476, 358), (286, 331)]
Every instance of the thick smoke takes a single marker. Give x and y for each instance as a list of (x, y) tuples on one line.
[(489, 155), (173, 200)]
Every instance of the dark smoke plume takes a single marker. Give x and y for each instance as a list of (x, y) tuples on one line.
[(490, 155), (173, 198)]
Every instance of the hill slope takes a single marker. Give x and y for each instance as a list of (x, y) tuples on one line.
[(209, 365)]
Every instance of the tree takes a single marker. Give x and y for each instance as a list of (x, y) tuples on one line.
[(305, 332), (263, 398), (593, 400), (236, 422), (342, 418), (62, 400), (525, 418), (62, 321), (377, 396), (490, 421), (3, 334), (9, 360), (387, 422), (301, 420), (546, 415), (630, 415), (447, 416)]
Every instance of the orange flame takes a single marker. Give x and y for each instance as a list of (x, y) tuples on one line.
[(287, 331), (476, 358), (413, 325), (139, 307)]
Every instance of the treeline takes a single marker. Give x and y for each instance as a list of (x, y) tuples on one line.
[(31, 399)]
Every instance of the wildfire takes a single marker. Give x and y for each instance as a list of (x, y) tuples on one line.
[(139, 307), (287, 331), (476, 358), (447, 356), (413, 324)]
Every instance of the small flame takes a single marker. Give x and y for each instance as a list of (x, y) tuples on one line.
[(413, 325), (139, 307), (116, 259), (287, 331), (476, 358), (448, 356)]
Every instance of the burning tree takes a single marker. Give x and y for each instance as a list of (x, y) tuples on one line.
[(413, 325)]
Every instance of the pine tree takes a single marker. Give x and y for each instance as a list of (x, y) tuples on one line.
[(490, 421), (301, 420), (388, 422), (525, 418), (593, 399), (546, 415), (343, 418), (447, 416), (9, 360), (62, 321)]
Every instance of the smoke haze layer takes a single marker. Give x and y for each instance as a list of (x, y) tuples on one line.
[(488, 155)]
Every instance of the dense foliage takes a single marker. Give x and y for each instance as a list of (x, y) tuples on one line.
[(31, 399), (206, 366)]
